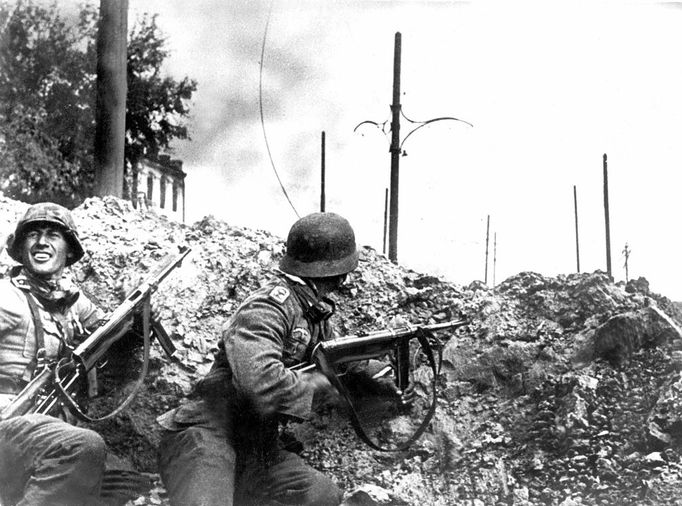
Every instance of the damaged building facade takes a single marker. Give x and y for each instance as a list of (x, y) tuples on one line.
[(159, 183)]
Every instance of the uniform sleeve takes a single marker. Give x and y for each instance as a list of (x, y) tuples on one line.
[(88, 313), (254, 344), (12, 308)]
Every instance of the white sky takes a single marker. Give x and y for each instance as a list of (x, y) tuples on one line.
[(549, 87)]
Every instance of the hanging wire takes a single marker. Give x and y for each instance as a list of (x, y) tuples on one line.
[(260, 107)]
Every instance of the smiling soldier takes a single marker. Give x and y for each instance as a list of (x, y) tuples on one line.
[(44, 460)]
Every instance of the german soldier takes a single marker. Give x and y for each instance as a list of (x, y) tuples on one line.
[(44, 460), (221, 446)]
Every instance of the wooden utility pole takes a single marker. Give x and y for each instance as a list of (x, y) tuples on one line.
[(396, 148), (385, 218), (606, 219), (487, 237), (110, 110), (494, 257), (322, 196), (577, 243), (395, 153)]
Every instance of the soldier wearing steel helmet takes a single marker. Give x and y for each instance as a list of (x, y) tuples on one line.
[(221, 446), (44, 460)]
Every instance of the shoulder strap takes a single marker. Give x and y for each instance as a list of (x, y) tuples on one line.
[(329, 371), (38, 359), (315, 310)]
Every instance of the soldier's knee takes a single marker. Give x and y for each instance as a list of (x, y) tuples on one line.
[(324, 492), (88, 447)]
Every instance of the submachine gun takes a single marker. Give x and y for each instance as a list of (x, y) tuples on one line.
[(53, 386), (328, 355)]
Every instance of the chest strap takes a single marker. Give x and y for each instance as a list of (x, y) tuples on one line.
[(38, 360)]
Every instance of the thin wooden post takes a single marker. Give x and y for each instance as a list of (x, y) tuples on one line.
[(494, 257), (577, 243), (385, 219), (487, 236), (606, 219), (322, 184)]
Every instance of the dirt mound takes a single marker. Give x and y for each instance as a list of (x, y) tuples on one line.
[(560, 390)]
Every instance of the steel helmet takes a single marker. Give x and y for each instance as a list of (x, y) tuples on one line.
[(320, 245), (46, 212)]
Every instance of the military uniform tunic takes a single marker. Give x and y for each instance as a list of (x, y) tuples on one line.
[(224, 441), (17, 332), (43, 460)]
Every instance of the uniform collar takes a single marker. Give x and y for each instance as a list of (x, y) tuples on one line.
[(57, 294), (297, 280)]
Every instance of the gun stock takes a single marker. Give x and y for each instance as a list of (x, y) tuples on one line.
[(24, 402)]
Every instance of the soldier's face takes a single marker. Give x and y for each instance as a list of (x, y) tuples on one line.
[(45, 251)]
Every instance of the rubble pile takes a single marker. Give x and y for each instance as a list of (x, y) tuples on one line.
[(559, 390)]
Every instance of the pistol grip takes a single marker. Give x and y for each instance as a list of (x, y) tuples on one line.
[(402, 371)]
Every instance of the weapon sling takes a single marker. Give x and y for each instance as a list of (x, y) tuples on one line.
[(62, 375), (39, 335), (330, 372), (73, 406)]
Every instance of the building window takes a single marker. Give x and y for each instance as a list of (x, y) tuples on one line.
[(162, 191)]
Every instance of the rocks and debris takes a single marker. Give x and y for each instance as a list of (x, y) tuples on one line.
[(559, 391)]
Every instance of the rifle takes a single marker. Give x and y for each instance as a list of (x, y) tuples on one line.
[(327, 355), (49, 387)]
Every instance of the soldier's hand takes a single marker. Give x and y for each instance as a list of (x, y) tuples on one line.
[(324, 391), (129, 282), (387, 384), (387, 387), (407, 396), (318, 382)]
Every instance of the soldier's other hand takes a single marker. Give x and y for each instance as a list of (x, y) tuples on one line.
[(387, 387), (128, 282), (407, 396)]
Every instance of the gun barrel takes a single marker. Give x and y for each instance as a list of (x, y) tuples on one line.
[(166, 269), (446, 325)]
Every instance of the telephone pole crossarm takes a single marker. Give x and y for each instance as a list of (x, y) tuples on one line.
[(396, 146)]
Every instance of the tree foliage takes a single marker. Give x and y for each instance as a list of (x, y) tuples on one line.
[(156, 104), (47, 100)]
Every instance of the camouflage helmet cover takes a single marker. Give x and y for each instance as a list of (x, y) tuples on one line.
[(46, 212)]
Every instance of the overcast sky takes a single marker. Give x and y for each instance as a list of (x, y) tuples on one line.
[(549, 88)]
